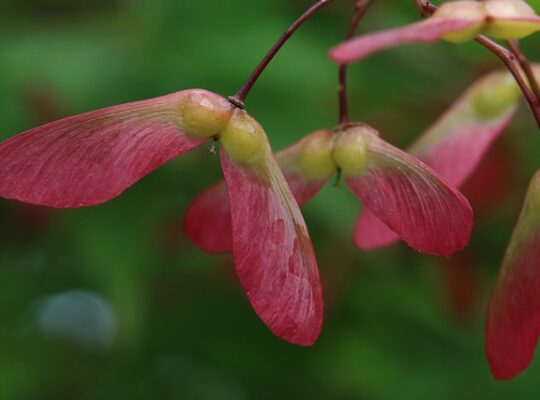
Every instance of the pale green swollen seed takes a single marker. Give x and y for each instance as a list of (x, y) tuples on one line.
[(493, 96), (244, 139), (205, 114), (509, 30), (315, 157), (500, 13), (350, 149), (462, 10)]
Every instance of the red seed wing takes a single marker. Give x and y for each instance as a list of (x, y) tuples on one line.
[(272, 251), (90, 158), (371, 233), (207, 222), (413, 200), (426, 31), (513, 319)]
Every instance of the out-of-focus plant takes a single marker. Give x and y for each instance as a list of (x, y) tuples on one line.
[(90, 158)]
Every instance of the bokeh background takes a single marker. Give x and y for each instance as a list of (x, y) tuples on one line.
[(113, 302)]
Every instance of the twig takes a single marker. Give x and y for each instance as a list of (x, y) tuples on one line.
[(508, 58), (526, 67), (240, 96), (360, 9)]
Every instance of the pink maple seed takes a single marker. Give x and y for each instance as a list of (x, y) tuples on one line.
[(306, 165), (454, 145), (407, 195), (456, 21), (426, 31), (513, 318), (91, 158), (273, 254)]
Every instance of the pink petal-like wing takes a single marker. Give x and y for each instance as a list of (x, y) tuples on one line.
[(453, 146), (208, 222), (371, 233), (426, 31), (273, 254), (412, 199), (90, 158), (513, 319)]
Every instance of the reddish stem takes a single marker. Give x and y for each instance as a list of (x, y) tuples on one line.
[(508, 59), (360, 9), (240, 96), (526, 67)]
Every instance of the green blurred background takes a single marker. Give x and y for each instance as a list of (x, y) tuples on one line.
[(113, 302)]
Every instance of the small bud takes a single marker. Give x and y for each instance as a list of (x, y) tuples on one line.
[(205, 114), (244, 139), (466, 10), (350, 149), (315, 158), (503, 19), (493, 96)]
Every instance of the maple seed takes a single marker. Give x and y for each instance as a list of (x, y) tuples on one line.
[(508, 19), (244, 139), (454, 145), (204, 114), (315, 158), (466, 11), (513, 323), (350, 149)]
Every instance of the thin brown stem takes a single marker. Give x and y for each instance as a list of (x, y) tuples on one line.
[(360, 9), (240, 96), (506, 56), (526, 67)]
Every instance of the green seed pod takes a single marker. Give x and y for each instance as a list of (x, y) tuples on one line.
[(493, 96), (503, 19), (466, 10), (315, 158), (350, 149), (244, 139), (204, 114)]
